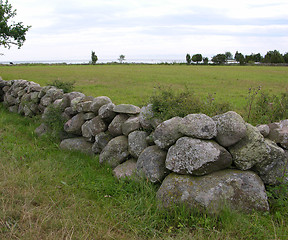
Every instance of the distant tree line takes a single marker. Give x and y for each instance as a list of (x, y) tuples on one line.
[(271, 57)]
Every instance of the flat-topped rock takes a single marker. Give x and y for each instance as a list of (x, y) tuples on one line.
[(126, 108)]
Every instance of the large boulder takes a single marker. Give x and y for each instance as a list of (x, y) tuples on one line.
[(137, 143), (115, 127), (279, 133), (106, 112), (101, 140), (198, 126), (126, 109), (151, 164), (250, 150), (273, 169), (98, 102), (74, 124), (231, 128), (147, 119), (93, 127), (167, 133), (115, 152), (240, 190), (78, 144), (197, 157), (68, 97), (126, 170), (130, 125)]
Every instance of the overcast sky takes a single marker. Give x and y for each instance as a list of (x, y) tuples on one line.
[(70, 29)]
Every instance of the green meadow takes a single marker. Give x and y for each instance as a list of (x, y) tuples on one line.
[(134, 84), (48, 193)]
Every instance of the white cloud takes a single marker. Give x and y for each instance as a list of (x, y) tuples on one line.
[(71, 29)]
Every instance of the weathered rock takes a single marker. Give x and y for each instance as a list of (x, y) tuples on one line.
[(250, 150), (98, 102), (130, 125), (167, 133), (197, 157), (77, 144), (101, 140), (89, 116), (279, 133), (84, 106), (106, 112), (145, 117), (93, 127), (230, 128), (68, 97), (41, 130), (115, 152), (51, 95), (239, 190), (137, 143), (198, 126), (10, 100), (127, 109), (70, 112), (75, 101), (273, 169), (264, 130), (115, 127), (74, 124), (13, 109), (151, 164), (126, 170)]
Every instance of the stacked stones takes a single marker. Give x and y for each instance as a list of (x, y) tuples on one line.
[(200, 161), (27, 98)]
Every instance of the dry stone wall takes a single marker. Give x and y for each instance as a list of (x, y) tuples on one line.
[(199, 161)]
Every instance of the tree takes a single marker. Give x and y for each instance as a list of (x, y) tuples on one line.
[(239, 57), (285, 56), (94, 58), (188, 58), (273, 57), (253, 58), (219, 59), (121, 58), (205, 60), (11, 33), (197, 58), (228, 55)]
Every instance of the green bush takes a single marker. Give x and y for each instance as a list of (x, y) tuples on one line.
[(168, 103), (65, 86), (266, 108), (54, 120)]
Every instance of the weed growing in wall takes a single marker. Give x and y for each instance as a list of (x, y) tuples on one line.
[(54, 120), (65, 86)]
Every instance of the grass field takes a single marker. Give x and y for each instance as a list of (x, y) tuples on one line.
[(134, 84), (48, 193)]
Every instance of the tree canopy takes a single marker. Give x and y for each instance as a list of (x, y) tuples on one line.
[(11, 33)]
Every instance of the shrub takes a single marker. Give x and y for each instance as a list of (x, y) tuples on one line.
[(167, 103), (54, 120), (266, 108), (65, 86)]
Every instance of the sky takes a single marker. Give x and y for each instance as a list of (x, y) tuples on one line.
[(143, 29)]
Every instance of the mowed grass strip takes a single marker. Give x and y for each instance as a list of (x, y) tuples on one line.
[(134, 84)]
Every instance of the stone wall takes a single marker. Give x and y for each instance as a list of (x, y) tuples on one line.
[(199, 161)]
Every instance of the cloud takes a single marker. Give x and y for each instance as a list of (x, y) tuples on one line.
[(71, 29)]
